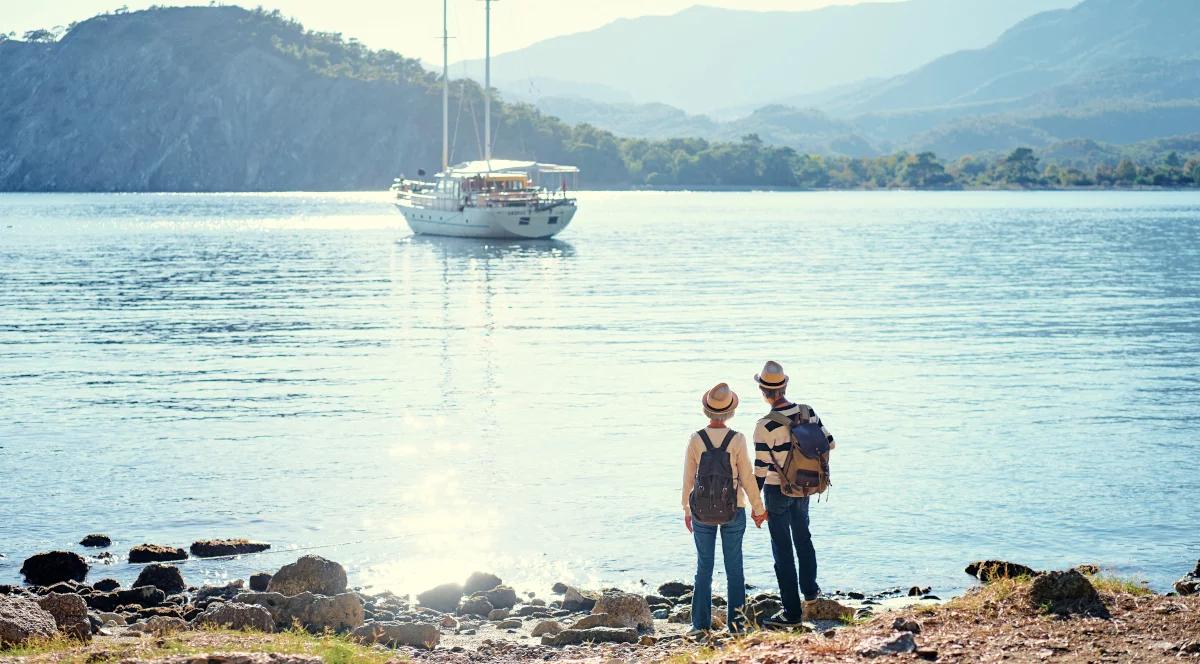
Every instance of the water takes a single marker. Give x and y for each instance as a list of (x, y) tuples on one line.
[(1007, 374)]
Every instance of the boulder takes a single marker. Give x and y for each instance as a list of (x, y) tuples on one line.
[(917, 591), (498, 614), (479, 582), (990, 570), (475, 606), (155, 553), (827, 609), (597, 620), (51, 567), (22, 619), (259, 581), (626, 610), (226, 593), (558, 588), (502, 597), (906, 624), (443, 598), (762, 608), (1064, 593), (674, 589), (312, 574), (166, 578), (546, 627), (394, 634), (1190, 583), (70, 614), (96, 540), (570, 637), (680, 615), (511, 623), (1088, 569), (106, 585), (235, 658), (575, 599), (145, 596), (878, 646), (160, 626), (235, 615), (531, 610), (315, 613), (226, 547)]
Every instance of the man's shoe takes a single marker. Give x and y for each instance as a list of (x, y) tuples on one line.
[(809, 598), (782, 621)]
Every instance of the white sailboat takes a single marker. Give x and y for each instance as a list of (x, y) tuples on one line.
[(490, 198)]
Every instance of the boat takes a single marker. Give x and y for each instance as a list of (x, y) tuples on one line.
[(489, 198)]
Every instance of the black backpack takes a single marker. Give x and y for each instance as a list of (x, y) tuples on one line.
[(714, 496)]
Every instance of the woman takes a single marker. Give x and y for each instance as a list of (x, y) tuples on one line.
[(715, 452)]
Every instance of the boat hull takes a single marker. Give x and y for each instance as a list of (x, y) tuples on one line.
[(512, 223)]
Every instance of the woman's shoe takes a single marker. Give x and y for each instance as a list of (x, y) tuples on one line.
[(782, 621), (697, 635)]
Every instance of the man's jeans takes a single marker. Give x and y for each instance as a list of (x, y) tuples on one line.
[(731, 552), (788, 523)]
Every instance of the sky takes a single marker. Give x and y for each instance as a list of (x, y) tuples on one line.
[(411, 27)]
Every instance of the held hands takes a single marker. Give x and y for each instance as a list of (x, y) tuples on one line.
[(759, 519)]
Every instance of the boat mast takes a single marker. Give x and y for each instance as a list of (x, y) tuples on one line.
[(487, 83), (445, 85)]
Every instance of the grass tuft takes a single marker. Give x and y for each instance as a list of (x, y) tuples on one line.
[(1115, 585)]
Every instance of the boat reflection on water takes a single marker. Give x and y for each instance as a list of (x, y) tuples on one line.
[(455, 247)]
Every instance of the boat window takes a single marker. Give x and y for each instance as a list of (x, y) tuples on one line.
[(524, 221), (553, 220)]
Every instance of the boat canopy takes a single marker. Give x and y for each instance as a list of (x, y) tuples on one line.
[(495, 166)]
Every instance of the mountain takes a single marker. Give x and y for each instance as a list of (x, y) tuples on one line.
[(704, 58)]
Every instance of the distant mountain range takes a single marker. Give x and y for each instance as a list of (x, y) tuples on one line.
[(706, 59)]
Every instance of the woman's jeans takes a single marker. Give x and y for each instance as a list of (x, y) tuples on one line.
[(731, 553), (788, 522)]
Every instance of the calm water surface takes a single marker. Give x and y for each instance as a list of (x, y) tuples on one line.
[(1007, 374)]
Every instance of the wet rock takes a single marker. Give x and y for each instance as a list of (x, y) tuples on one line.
[(827, 609), (394, 634), (106, 557), (905, 624), (312, 612), (990, 570), (476, 606), (595, 635), (480, 582), (443, 598), (545, 627), (917, 591), (166, 578), (854, 594), (161, 626), (502, 597), (575, 599), (96, 540), (70, 614), (235, 615), (1065, 593), (626, 610), (558, 588), (498, 614), (22, 619), (156, 553), (259, 581), (674, 589), (145, 596), (1189, 584), (226, 547), (312, 574), (879, 646), (226, 593), (51, 567)]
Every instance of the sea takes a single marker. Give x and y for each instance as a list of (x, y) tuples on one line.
[(1010, 375)]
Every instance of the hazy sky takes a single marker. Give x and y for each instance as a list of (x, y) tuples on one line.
[(411, 26)]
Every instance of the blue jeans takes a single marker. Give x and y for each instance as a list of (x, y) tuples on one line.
[(731, 552), (788, 523)]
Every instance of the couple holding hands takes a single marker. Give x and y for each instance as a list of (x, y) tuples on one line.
[(790, 464)]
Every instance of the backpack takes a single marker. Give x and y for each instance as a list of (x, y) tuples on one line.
[(714, 496), (805, 471)]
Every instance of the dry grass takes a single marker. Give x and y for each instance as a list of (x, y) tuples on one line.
[(1113, 585), (331, 648)]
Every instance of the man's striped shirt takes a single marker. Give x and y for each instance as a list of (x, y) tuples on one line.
[(772, 437)]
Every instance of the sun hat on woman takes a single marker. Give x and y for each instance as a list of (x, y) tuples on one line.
[(772, 376), (719, 402)]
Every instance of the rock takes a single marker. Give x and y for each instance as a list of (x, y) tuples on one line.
[(106, 585), (145, 596), (115, 618), (1189, 584), (443, 598), (577, 600), (70, 614), (674, 589), (627, 610), (393, 634), (558, 588), (479, 582), (22, 619), (312, 574), (647, 640), (315, 613), (511, 623), (1064, 593), (596, 620), (761, 609), (546, 627), (917, 591), (498, 614), (449, 622), (161, 626), (1088, 569), (531, 610), (475, 606), (854, 594), (51, 567), (827, 609), (990, 570), (232, 658), (680, 615), (235, 615), (259, 581), (166, 578), (878, 646), (904, 624), (106, 557), (502, 597), (661, 614), (595, 635), (155, 553), (96, 540), (63, 587), (226, 547), (226, 593)]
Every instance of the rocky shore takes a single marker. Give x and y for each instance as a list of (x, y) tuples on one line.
[(480, 619)]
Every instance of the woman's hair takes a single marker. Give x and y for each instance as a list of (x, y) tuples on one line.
[(775, 393), (719, 417)]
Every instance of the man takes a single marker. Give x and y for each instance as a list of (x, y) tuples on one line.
[(787, 516)]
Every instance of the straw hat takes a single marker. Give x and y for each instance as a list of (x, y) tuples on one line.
[(719, 401), (772, 376)]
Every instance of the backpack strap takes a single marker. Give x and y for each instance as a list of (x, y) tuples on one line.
[(779, 418), (728, 439), (706, 440)]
